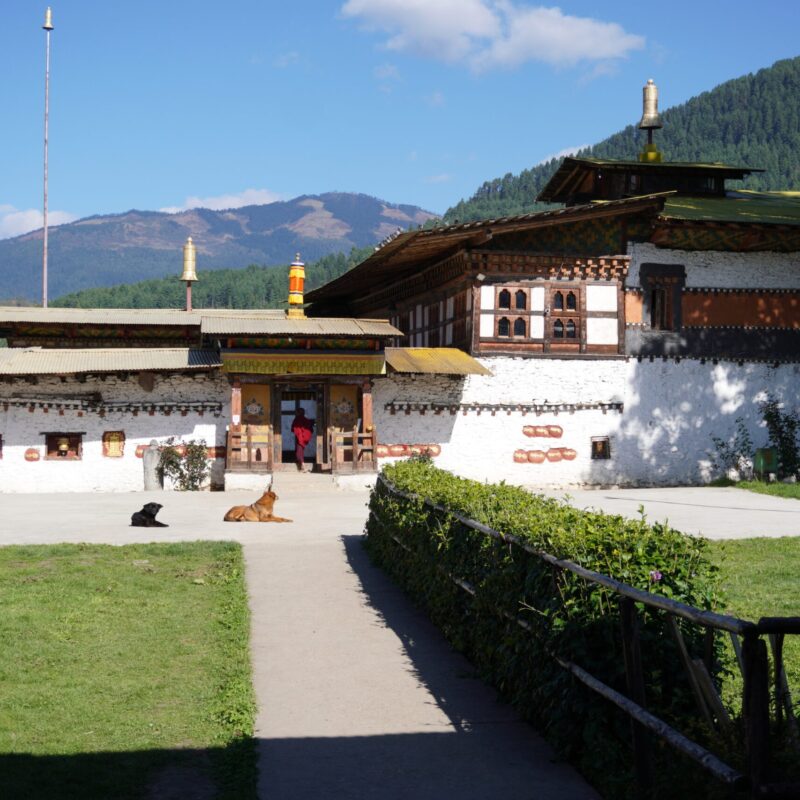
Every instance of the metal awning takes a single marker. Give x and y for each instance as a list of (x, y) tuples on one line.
[(63, 361), (433, 361)]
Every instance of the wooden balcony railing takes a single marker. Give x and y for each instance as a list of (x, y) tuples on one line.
[(250, 448), (353, 451)]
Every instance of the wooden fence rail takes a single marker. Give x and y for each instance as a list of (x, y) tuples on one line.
[(751, 652)]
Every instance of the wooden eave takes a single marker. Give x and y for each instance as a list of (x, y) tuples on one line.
[(88, 332), (411, 252), (574, 171)]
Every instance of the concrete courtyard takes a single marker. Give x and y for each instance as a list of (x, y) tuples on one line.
[(359, 696)]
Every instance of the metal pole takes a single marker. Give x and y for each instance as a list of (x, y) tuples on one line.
[(48, 26)]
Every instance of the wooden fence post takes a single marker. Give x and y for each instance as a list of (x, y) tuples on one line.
[(642, 749), (755, 708)]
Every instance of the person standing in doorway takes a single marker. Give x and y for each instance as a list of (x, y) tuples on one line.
[(302, 428)]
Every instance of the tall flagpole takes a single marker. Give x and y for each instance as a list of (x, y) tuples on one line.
[(47, 27)]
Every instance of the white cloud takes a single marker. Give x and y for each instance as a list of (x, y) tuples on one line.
[(445, 29), (443, 177), (249, 197), (14, 222), (567, 151), (487, 34)]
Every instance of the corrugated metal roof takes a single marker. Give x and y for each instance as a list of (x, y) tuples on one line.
[(37, 361), (267, 322), (285, 326), (433, 360), (99, 316)]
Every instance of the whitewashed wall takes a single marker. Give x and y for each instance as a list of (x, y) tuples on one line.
[(22, 429), (720, 270), (663, 437)]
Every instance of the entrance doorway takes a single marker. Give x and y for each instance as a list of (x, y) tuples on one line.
[(291, 401)]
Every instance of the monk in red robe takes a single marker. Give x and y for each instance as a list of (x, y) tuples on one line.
[(302, 428)]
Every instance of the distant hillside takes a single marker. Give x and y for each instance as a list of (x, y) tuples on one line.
[(252, 287), (130, 247), (752, 121)]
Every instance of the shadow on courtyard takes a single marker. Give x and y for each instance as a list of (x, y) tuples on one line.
[(479, 750)]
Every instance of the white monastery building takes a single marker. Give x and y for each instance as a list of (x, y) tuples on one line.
[(601, 343)]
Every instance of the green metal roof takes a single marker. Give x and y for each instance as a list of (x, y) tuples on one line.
[(772, 208)]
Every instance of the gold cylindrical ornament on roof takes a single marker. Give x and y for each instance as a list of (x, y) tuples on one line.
[(650, 117), (189, 261), (297, 279), (48, 19)]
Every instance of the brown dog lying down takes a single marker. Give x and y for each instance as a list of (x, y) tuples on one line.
[(260, 511)]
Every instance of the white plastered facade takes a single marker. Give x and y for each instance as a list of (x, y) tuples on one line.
[(22, 430), (662, 437)]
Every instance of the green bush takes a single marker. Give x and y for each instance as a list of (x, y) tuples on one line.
[(783, 428), (185, 463), (574, 619)]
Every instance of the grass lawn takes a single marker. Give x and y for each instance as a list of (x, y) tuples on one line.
[(776, 489), (125, 672), (762, 487), (760, 577)]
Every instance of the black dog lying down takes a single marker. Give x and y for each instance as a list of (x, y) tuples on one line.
[(146, 518)]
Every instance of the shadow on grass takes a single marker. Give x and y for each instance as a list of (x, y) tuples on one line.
[(477, 748), (226, 773)]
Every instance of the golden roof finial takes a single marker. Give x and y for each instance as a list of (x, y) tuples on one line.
[(650, 117), (189, 261), (297, 279), (650, 121), (48, 19)]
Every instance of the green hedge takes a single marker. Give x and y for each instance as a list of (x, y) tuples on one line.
[(572, 618)]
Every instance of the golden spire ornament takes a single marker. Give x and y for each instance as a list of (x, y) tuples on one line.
[(650, 121), (189, 270), (297, 279)]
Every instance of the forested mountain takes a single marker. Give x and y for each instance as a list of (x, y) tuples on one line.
[(252, 287), (130, 247), (752, 121)]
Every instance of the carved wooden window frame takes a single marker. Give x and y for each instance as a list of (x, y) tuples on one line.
[(662, 290), (566, 316), (600, 448), (498, 298), (74, 442)]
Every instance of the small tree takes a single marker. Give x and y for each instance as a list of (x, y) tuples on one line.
[(735, 454), (783, 427), (186, 464)]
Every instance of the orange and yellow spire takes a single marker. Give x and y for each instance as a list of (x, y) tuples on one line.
[(297, 279)]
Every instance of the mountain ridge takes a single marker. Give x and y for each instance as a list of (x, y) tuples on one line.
[(135, 245)]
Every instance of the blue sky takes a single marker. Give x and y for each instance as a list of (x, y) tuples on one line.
[(167, 104)]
